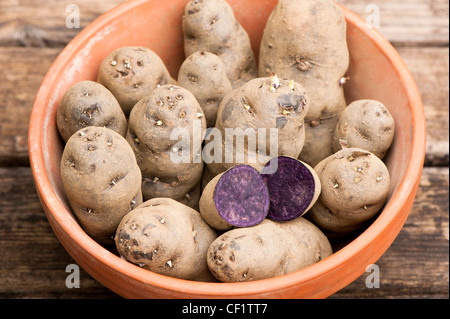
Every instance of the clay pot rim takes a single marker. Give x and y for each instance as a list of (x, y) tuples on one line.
[(72, 230)]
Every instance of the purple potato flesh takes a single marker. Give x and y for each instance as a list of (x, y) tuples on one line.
[(241, 197), (291, 188)]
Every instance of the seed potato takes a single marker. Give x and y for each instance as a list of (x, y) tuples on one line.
[(262, 103), (355, 186), (132, 73), (306, 41), (88, 103), (203, 74), (171, 166), (166, 237), (365, 124), (210, 25), (267, 250), (101, 179)]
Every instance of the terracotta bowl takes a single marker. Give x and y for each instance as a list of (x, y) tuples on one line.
[(376, 72)]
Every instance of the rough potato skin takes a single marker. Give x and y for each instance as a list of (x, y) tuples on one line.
[(203, 74), (88, 103), (365, 124), (132, 73), (207, 208), (210, 25), (306, 41), (318, 139), (355, 186), (101, 179), (166, 237), (339, 224), (258, 105), (267, 250), (151, 123)]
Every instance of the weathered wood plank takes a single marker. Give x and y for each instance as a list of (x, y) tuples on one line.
[(415, 22), (22, 72), (32, 23), (24, 69), (429, 67), (33, 262), (43, 23)]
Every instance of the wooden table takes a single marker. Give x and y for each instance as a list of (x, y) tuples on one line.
[(33, 262)]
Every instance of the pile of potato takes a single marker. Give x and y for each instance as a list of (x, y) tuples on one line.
[(243, 220)]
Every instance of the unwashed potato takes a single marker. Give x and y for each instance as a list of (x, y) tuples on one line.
[(355, 186), (192, 197), (257, 109), (153, 138), (306, 41), (210, 25), (132, 73), (365, 124), (101, 179), (88, 103), (203, 74), (166, 237), (267, 250), (208, 209)]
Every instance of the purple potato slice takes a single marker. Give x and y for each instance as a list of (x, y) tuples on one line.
[(293, 188), (241, 197)]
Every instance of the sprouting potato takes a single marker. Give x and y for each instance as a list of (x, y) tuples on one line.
[(132, 73), (306, 41), (166, 237), (365, 124), (101, 179), (88, 103), (355, 186), (210, 25)]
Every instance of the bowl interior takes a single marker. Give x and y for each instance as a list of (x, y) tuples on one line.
[(158, 27)]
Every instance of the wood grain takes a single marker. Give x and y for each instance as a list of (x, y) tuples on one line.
[(33, 262), (42, 23), (412, 22), (424, 239), (429, 67), (23, 70)]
